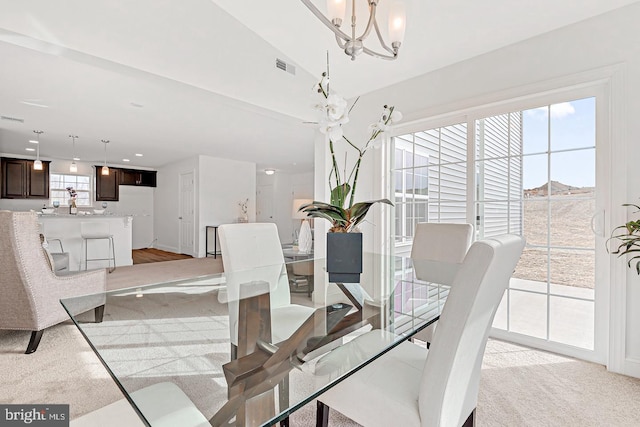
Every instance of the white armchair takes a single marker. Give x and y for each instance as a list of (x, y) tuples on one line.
[(31, 291), (413, 386)]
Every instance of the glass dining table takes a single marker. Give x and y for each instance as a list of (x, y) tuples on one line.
[(177, 334)]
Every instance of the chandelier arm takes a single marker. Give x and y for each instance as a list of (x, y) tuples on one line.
[(338, 32), (382, 42), (371, 23), (379, 55), (341, 43)]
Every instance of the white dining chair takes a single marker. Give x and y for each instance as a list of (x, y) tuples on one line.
[(412, 386), (253, 252), (438, 250)]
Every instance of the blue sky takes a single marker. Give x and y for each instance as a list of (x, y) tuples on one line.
[(572, 125)]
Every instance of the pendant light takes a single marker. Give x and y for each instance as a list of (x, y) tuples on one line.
[(73, 167), (105, 168), (37, 164)]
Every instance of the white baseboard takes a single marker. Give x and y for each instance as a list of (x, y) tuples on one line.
[(166, 248), (631, 367)]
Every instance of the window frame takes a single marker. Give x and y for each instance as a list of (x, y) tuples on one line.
[(64, 201)]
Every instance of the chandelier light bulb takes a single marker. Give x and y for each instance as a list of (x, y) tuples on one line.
[(397, 22), (336, 10)]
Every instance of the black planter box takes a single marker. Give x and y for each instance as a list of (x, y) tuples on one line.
[(344, 257)]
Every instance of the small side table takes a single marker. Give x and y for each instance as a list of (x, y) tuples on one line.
[(215, 252)]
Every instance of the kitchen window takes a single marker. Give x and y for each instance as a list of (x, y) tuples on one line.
[(59, 184)]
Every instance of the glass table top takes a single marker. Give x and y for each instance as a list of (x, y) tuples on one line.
[(179, 333)]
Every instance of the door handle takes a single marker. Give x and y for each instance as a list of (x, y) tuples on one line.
[(598, 227), (179, 217)]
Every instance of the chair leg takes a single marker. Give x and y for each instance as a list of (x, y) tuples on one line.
[(322, 415), (86, 250), (471, 420), (34, 341), (99, 313), (113, 253), (283, 398)]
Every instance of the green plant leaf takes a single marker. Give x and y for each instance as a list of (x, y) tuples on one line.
[(359, 210), (339, 194), (334, 214)]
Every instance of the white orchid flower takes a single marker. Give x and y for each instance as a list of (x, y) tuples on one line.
[(334, 131), (396, 116), (336, 107)]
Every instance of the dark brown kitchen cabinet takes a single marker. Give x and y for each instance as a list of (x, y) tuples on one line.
[(21, 181), (141, 178), (107, 186)]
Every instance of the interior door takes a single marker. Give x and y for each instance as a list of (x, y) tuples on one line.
[(187, 214), (264, 203)]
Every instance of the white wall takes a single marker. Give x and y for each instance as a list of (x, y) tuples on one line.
[(223, 184), (520, 70), (137, 202), (286, 187)]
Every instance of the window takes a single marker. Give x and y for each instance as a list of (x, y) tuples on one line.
[(528, 170), (80, 183), (430, 178)]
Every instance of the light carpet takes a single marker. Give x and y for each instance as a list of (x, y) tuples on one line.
[(158, 272), (519, 386)]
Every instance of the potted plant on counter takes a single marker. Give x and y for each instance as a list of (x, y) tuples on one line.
[(344, 240)]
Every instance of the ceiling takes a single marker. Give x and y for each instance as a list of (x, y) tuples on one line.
[(158, 78)]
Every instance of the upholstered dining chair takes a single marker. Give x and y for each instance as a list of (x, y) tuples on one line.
[(413, 386), (440, 249), (253, 252), (31, 292)]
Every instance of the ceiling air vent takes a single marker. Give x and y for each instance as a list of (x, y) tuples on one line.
[(13, 119), (285, 67)]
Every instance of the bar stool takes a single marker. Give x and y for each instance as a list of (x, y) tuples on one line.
[(95, 230)]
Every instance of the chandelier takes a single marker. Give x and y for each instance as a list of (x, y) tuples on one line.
[(352, 44)]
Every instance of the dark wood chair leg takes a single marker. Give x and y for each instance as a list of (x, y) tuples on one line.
[(322, 415), (471, 420), (34, 341), (99, 313)]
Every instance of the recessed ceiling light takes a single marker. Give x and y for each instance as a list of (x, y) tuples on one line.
[(33, 141), (269, 171), (126, 160), (30, 149), (138, 155), (76, 158), (33, 103)]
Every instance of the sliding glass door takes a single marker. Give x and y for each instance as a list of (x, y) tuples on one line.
[(530, 172)]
